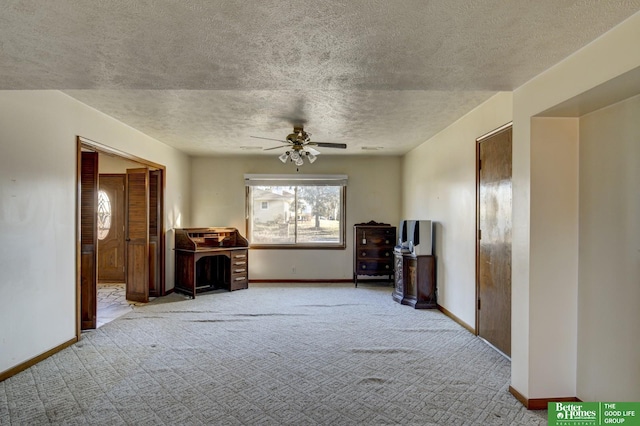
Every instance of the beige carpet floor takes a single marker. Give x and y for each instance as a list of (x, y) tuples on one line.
[(271, 355)]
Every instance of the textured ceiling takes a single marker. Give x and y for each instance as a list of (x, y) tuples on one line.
[(204, 76)]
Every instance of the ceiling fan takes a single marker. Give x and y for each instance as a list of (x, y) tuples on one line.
[(300, 146)]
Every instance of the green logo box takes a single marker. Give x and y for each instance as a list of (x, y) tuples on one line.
[(593, 413)]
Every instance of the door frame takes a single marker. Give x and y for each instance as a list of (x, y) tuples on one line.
[(477, 234), (88, 144)]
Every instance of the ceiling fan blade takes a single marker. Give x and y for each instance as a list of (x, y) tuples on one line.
[(268, 139), (312, 150), (276, 147), (329, 145)]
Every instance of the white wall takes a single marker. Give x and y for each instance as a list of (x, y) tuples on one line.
[(38, 132), (554, 247), (608, 363), (116, 165), (439, 183), (609, 56), (373, 193)]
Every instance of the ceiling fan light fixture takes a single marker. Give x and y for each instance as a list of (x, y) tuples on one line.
[(295, 156), (300, 146)]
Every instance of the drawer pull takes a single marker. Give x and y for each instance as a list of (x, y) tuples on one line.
[(386, 266), (363, 267), (239, 256), (364, 254), (387, 254), (240, 263), (239, 270), (240, 278)]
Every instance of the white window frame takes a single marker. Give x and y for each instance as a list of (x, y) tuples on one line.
[(297, 180)]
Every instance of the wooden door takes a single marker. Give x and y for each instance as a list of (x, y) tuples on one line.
[(88, 239), (156, 264), (111, 245), (137, 234), (494, 239)]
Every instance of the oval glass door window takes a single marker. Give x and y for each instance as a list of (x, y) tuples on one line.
[(104, 215)]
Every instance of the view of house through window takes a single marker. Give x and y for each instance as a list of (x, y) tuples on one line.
[(296, 212)]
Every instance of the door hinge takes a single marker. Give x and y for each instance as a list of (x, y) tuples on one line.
[(479, 234), (479, 164), (478, 304)]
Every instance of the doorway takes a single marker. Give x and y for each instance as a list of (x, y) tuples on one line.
[(132, 214), (493, 242)]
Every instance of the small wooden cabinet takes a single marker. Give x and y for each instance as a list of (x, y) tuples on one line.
[(373, 250), (415, 280)]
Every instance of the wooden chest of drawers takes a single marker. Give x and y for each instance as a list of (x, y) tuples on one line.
[(373, 250), (239, 276)]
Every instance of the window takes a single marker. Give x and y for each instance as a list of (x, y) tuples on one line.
[(104, 215), (302, 211)]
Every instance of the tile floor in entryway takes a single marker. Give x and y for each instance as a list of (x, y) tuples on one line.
[(112, 302)]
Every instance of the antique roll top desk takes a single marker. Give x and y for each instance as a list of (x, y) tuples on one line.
[(209, 259), (373, 250)]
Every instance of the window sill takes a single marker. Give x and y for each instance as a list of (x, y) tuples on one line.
[(298, 246)]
